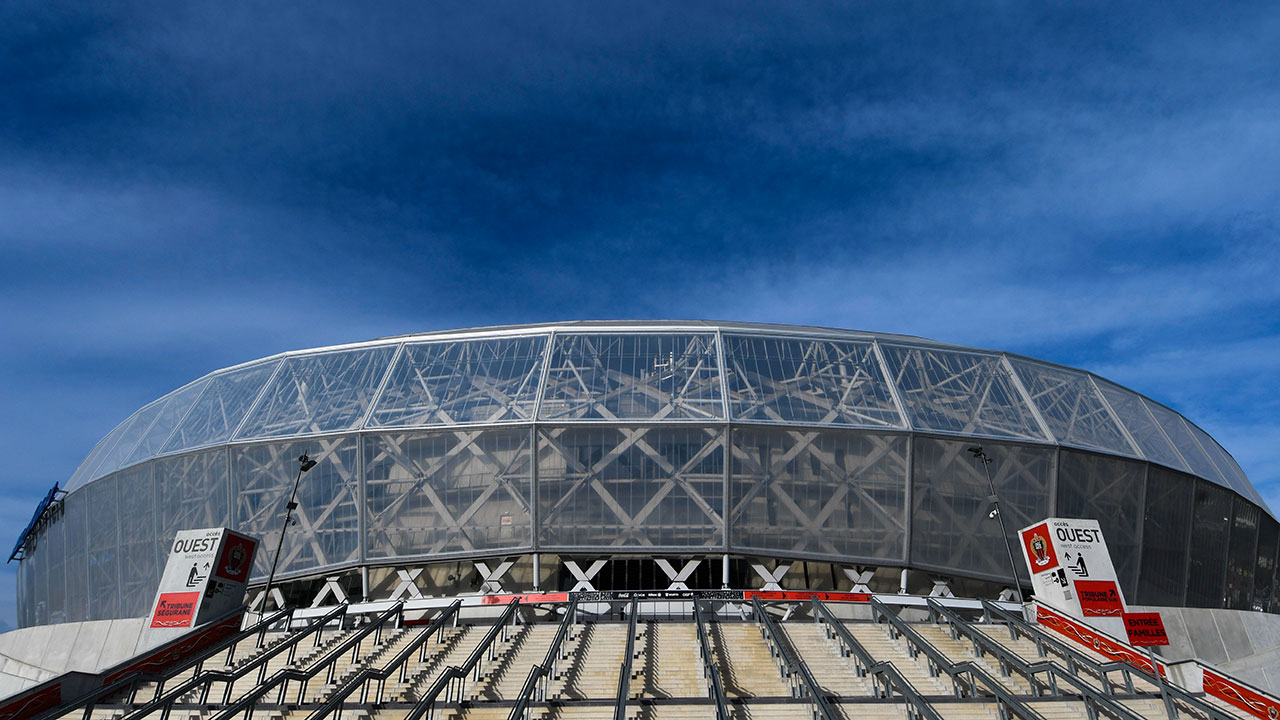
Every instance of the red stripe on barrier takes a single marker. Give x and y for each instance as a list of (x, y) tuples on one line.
[(799, 595), (30, 705), (524, 598), (1254, 703), (1092, 639)]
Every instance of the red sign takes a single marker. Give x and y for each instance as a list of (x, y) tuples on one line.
[(175, 610), (1099, 598), (1145, 629), (1039, 548), (236, 559)]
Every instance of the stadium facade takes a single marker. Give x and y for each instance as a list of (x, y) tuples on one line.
[(634, 455)]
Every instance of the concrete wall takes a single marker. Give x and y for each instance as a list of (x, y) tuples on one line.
[(1244, 645), (32, 655)]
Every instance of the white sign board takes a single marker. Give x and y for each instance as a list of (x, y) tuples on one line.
[(204, 577), (1071, 570)]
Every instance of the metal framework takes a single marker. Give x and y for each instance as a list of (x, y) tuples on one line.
[(671, 440)]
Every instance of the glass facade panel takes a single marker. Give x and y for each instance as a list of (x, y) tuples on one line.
[(807, 381), (951, 525), (1108, 490), (1227, 466), (103, 550), (328, 392), (54, 547), (819, 493), (472, 381), (1180, 435), (327, 529), (1265, 567), (1165, 526), (631, 487), (1242, 557), (1210, 535), (75, 530), (960, 392), (633, 377), (1142, 427), (453, 492), (221, 408), (139, 569), (87, 471), (174, 408), (133, 430), (1071, 407), (191, 492)]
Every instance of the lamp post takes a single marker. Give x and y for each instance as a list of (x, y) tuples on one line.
[(981, 457), (304, 464)]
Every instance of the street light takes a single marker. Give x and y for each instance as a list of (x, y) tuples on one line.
[(304, 464), (981, 457)]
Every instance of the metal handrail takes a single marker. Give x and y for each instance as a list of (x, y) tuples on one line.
[(709, 668), (167, 699), (397, 663), (1073, 656), (1093, 697), (537, 673), (455, 672), (881, 669), (792, 662), (1042, 637), (132, 681), (1005, 700), (624, 673), (325, 663)]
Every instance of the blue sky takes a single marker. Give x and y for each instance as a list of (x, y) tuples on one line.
[(184, 188)]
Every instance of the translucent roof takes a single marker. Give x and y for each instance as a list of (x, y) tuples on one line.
[(668, 371)]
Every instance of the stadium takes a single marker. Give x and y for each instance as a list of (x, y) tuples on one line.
[(600, 461)]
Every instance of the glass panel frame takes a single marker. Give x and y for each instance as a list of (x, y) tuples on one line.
[(808, 381), (443, 494), (828, 493), (1072, 407), (635, 376), (613, 488), (459, 382), (963, 393), (328, 392)]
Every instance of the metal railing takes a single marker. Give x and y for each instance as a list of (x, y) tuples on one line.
[(1094, 699), (197, 661), (791, 663), (451, 681), (964, 675), (536, 683), (398, 664), (883, 672), (1076, 658), (624, 673), (326, 663), (709, 669)]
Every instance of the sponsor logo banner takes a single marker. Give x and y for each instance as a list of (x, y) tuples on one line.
[(175, 610), (1099, 598)]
